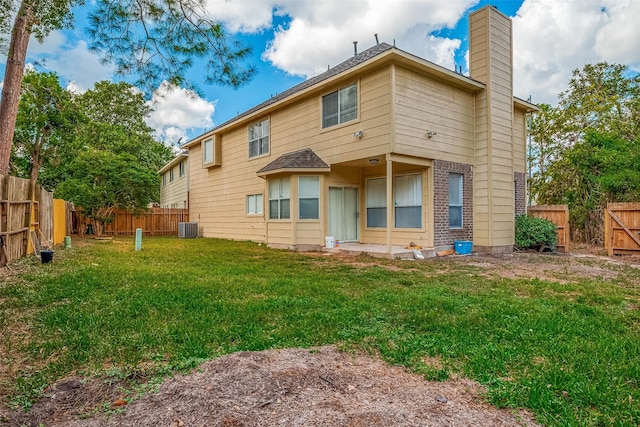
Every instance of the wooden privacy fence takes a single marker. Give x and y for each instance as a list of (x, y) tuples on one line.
[(25, 224), (153, 222), (559, 215), (622, 228)]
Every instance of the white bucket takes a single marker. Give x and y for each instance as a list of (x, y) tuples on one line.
[(329, 242)]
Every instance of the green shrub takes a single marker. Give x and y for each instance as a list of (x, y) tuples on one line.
[(534, 232)]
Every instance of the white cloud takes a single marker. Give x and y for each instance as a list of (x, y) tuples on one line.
[(617, 40), (176, 111), (52, 44), (322, 33), (241, 16), (81, 66), (70, 59), (552, 38)]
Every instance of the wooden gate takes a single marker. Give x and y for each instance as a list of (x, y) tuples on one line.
[(559, 215), (622, 228)]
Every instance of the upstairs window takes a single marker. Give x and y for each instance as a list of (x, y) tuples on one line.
[(259, 138), (164, 179), (181, 169), (340, 106), (171, 175), (207, 151), (279, 199), (455, 200)]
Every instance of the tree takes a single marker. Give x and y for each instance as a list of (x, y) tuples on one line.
[(584, 151), (101, 181), (115, 114), (602, 97), (546, 146), (33, 17), (154, 39), (114, 159), (45, 121), (600, 168)]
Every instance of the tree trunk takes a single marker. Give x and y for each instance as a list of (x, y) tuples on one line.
[(13, 81)]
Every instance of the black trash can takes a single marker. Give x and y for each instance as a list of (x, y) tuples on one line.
[(46, 255)]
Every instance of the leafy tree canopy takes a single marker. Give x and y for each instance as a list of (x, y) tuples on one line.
[(159, 40), (43, 17), (100, 181), (46, 120), (114, 159)]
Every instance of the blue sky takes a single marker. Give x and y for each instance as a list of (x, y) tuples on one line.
[(296, 39)]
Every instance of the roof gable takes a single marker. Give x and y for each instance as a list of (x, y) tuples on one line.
[(298, 160)]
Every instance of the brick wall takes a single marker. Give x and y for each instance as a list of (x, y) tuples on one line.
[(443, 235), (520, 186)]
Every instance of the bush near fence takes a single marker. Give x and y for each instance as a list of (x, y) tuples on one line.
[(559, 215)]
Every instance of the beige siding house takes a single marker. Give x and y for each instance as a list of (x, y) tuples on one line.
[(174, 189), (385, 148)]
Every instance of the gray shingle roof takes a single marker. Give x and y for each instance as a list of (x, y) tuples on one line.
[(302, 159)]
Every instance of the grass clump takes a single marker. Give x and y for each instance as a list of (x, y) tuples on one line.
[(568, 352)]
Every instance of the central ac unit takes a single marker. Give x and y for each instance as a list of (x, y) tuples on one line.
[(187, 229)]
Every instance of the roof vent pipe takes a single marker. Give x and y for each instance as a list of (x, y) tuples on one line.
[(355, 48), (376, 36)]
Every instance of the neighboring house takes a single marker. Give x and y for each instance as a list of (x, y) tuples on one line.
[(174, 189), (385, 148)]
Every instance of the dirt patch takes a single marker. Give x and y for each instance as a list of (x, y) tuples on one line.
[(291, 387), (560, 268)]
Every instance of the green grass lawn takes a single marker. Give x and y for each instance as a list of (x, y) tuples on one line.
[(567, 350)]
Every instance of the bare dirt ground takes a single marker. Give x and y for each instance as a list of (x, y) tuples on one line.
[(309, 387), (291, 387)]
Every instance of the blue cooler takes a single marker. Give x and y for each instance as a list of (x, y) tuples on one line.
[(463, 247)]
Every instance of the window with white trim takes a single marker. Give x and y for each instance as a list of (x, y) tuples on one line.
[(171, 175), (207, 151), (377, 202), (164, 179), (254, 204), (181, 169), (408, 201), (455, 200), (279, 203), (309, 197), (340, 106), (259, 138)]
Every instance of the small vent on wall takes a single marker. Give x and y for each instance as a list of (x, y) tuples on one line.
[(187, 229)]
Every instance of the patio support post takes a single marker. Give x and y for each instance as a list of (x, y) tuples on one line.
[(389, 202)]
